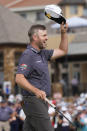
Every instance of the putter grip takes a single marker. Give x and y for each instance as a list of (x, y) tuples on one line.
[(50, 103)]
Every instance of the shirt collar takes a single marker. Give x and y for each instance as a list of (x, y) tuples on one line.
[(33, 49)]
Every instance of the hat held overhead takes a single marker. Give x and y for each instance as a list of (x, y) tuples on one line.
[(55, 13)]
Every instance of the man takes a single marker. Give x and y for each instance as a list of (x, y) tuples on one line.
[(33, 76), (5, 115), (74, 84)]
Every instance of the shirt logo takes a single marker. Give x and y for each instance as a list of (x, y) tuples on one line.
[(38, 61), (23, 66)]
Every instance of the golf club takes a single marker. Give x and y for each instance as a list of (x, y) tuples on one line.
[(50, 103)]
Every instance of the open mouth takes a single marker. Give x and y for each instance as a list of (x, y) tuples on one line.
[(45, 43)]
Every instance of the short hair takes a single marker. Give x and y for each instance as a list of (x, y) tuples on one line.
[(34, 29)]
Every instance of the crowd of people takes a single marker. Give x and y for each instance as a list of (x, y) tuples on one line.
[(12, 116), (75, 110)]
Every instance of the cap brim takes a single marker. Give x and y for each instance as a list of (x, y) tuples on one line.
[(57, 20)]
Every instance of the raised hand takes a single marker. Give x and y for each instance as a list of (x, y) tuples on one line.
[(64, 27)]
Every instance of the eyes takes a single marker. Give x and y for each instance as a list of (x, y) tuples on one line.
[(43, 36)]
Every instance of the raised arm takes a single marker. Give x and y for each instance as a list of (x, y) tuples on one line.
[(63, 47)]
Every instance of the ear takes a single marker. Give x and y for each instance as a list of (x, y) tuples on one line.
[(35, 37)]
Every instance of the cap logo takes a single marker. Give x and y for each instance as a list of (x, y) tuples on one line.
[(48, 15)]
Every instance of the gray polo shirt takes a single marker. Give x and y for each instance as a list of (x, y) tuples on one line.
[(5, 113), (34, 65)]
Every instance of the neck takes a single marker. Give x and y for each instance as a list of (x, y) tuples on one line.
[(35, 46)]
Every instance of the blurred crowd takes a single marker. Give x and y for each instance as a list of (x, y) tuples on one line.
[(74, 109), (12, 116)]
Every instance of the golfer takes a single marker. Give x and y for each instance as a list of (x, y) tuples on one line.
[(33, 76)]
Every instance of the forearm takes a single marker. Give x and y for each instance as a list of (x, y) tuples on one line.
[(64, 38), (22, 81), (64, 42)]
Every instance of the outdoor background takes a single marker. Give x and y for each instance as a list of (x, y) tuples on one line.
[(68, 74)]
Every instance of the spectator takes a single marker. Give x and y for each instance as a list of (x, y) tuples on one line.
[(57, 97), (65, 122), (74, 84), (64, 86), (59, 123), (15, 122), (5, 115), (22, 117)]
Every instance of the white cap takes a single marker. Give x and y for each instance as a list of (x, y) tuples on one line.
[(64, 108), (86, 95), (19, 97), (11, 98), (82, 95), (79, 108), (49, 9)]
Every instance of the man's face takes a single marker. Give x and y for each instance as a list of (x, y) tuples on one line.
[(42, 38)]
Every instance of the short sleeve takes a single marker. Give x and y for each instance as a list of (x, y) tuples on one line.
[(24, 66), (48, 54)]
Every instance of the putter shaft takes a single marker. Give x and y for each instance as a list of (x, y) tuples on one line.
[(49, 102)]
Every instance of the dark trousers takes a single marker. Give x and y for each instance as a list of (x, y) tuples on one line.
[(75, 90), (66, 128), (37, 118)]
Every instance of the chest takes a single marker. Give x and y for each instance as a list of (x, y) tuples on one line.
[(4, 111), (40, 64)]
